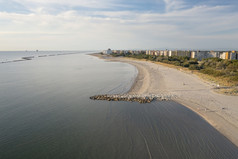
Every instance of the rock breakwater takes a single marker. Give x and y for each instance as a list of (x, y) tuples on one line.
[(133, 98)]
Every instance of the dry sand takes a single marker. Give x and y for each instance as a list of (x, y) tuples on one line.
[(221, 111)]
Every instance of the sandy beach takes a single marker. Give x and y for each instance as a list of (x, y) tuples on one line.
[(221, 111)]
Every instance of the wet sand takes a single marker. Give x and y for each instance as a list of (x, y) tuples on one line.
[(221, 111)]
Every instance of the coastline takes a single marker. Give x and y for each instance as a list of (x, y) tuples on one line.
[(218, 110)]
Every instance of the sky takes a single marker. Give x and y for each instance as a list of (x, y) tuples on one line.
[(118, 24)]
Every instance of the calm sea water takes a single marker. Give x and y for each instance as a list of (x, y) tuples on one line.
[(45, 112), (12, 56)]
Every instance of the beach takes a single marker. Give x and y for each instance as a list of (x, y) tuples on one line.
[(221, 111), (46, 112)]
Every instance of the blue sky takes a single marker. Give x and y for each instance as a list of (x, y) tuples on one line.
[(118, 24)]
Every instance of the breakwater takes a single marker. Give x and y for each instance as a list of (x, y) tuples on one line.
[(134, 98)]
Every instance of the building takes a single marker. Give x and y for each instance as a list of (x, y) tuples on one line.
[(236, 54), (227, 55), (166, 53), (194, 54), (233, 56), (156, 53), (147, 52), (153, 53), (116, 51), (200, 55), (183, 53), (161, 53), (214, 54), (172, 53), (223, 55), (108, 51)]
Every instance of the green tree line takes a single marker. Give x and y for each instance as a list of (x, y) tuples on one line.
[(212, 66)]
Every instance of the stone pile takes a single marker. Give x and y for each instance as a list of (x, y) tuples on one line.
[(132, 98)]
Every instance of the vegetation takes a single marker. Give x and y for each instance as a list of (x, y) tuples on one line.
[(218, 67), (215, 67)]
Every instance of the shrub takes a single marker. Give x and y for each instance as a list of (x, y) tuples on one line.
[(234, 78), (159, 59), (194, 67), (185, 64), (193, 62), (176, 63), (165, 61), (212, 72)]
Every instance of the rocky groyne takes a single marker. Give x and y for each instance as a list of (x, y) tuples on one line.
[(133, 98), (28, 58)]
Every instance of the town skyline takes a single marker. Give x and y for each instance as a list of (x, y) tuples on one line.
[(198, 54), (96, 25)]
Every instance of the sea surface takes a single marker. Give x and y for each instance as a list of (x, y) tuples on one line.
[(46, 113), (16, 56)]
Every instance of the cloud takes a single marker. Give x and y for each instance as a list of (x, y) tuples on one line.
[(72, 29), (70, 3), (171, 5)]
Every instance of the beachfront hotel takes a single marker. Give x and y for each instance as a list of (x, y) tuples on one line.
[(228, 55)]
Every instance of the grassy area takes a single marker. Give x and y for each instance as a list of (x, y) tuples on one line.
[(224, 72)]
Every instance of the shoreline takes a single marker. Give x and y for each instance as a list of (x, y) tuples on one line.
[(220, 111)]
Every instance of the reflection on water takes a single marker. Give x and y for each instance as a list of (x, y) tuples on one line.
[(15, 56), (45, 112)]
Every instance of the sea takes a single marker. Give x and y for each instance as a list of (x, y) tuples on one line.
[(46, 113)]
